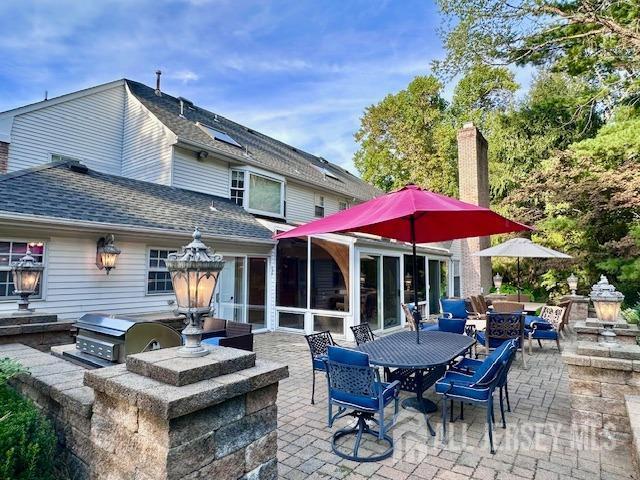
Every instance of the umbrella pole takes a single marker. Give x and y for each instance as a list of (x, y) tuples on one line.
[(415, 277), (518, 279)]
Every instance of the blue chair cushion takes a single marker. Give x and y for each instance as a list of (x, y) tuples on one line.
[(212, 341), (467, 365), (348, 356), (457, 385), (544, 334), (362, 402), (452, 325), (493, 342), (430, 327), (539, 321), (456, 307), (490, 366), (318, 363)]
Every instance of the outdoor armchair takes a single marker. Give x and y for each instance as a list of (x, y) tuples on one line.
[(445, 324), (453, 319), (479, 387), (354, 386), (235, 335), (500, 328), (547, 326)]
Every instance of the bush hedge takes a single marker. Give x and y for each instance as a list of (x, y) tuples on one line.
[(27, 439)]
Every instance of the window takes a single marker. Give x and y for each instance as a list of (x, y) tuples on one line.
[(62, 158), (159, 280), (237, 186), (408, 279), (456, 277), (257, 193), (343, 205), (12, 251), (291, 273), (319, 211), (329, 275)]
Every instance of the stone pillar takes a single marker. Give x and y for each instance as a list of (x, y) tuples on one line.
[(161, 416), (473, 180), (579, 308)]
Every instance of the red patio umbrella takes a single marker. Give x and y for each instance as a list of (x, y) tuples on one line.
[(413, 215)]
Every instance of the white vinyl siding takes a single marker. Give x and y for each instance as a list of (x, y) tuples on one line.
[(207, 176), (301, 202), (88, 128), (146, 149)]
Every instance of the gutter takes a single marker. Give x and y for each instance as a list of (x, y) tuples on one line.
[(85, 224)]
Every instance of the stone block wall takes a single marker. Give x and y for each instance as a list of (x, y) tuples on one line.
[(56, 387), (40, 331), (159, 416)]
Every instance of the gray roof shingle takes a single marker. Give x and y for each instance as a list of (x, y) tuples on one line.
[(258, 149), (60, 191)]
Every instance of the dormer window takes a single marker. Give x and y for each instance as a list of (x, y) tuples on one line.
[(343, 205), (258, 192)]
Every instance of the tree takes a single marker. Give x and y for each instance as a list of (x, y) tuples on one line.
[(408, 138), (595, 39)]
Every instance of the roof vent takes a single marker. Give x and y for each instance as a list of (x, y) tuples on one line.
[(78, 167), (158, 92)]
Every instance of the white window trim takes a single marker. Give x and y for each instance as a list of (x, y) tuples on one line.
[(149, 269), (65, 157), (248, 171), (43, 278)]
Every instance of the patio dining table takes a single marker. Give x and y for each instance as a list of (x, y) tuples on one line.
[(431, 356)]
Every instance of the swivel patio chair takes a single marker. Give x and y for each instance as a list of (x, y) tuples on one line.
[(363, 333), (355, 387), (547, 326), (500, 328), (318, 346), (453, 319), (479, 387)]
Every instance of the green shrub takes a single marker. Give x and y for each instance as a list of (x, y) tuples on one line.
[(27, 439)]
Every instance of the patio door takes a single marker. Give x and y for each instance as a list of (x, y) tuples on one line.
[(438, 284), (379, 291)]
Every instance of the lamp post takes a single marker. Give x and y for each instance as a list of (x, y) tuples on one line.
[(26, 275), (607, 301), (194, 273), (497, 281), (572, 281)]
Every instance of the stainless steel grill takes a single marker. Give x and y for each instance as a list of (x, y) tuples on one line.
[(103, 340)]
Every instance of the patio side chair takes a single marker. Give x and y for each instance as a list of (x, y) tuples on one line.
[(319, 344), (453, 318), (500, 328), (547, 326), (478, 388), (567, 305), (479, 312), (412, 315), (363, 333), (354, 386)]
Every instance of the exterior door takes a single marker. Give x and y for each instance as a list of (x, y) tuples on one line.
[(391, 289), (370, 298)]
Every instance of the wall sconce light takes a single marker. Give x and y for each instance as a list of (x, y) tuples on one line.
[(497, 281), (26, 275), (106, 253)]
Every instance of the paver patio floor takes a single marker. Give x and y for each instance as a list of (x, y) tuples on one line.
[(537, 444)]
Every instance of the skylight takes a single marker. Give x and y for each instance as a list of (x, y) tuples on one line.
[(326, 172), (219, 135)]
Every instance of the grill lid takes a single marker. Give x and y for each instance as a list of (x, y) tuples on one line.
[(101, 323)]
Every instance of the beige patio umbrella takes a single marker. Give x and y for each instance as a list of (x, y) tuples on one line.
[(520, 248)]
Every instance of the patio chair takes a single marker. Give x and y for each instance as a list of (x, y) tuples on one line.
[(363, 333), (508, 307), (500, 328), (447, 324), (318, 346), (234, 335), (477, 309), (453, 319), (547, 326), (355, 387), (479, 387)]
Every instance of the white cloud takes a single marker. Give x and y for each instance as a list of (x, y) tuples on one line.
[(184, 76)]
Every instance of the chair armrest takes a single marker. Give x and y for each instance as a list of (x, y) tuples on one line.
[(242, 342), (395, 385), (213, 334), (447, 315)]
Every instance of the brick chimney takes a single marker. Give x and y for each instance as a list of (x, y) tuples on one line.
[(473, 173), (4, 157)]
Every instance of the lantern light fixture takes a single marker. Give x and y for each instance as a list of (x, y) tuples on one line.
[(572, 281), (106, 253), (497, 281), (26, 275), (194, 273), (607, 302)]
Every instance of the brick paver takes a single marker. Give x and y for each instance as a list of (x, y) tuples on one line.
[(537, 444)]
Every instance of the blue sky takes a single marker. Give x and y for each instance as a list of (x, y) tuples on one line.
[(301, 71)]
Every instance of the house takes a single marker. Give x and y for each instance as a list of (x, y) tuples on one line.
[(128, 160)]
